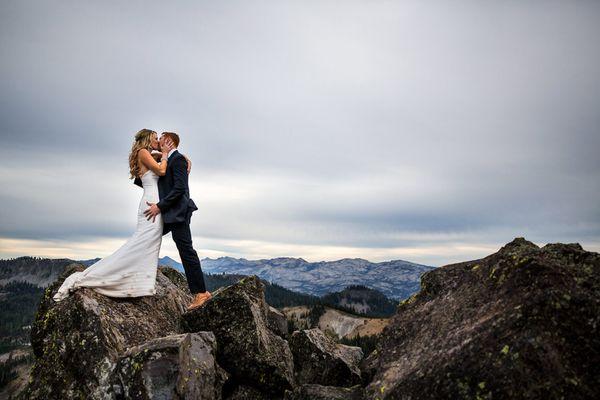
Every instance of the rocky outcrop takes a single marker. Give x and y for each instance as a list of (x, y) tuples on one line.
[(277, 322), (78, 341), (179, 366), (98, 347), (521, 323), (320, 360), (255, 356)]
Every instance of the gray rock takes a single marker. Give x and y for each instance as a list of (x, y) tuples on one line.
[(248, 349), (176, 278), (179, 366), (77, 341), (319, 359), (243, 392), (319, 392), (277, 322), (368, 367), (522, 323)]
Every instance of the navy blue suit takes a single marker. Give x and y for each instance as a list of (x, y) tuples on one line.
[(176, 209), (174, 193)]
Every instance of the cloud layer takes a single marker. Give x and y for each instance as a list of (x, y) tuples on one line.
[(428, 132)]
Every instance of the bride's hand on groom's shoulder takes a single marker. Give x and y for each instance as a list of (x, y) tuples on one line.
[(189, 164)]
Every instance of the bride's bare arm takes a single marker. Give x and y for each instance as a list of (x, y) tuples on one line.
[(149, 162)]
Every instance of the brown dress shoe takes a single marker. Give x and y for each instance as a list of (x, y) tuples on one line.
[(199, 299)]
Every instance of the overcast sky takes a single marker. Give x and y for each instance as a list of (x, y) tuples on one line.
[(433, 132)]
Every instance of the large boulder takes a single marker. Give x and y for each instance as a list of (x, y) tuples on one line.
[(520, 323), (248, 349), (77, 341), (319, 359), (179, 366)]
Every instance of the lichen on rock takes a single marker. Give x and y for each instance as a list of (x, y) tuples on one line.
[(248, 349), (180, 366), (520, 323), (320, 360), (77, 341)]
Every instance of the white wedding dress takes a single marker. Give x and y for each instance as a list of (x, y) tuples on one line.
[(131, 270)]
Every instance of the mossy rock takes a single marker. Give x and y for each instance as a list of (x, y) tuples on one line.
[(248, 349), (181, 366), (320, 392), (520, 323), (77, 341), (318, 359)]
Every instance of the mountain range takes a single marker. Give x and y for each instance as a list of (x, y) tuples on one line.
[(397, 279)]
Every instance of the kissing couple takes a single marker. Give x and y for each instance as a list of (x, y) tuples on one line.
[(165, 207)]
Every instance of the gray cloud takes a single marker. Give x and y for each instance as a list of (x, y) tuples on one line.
[(367, 124)]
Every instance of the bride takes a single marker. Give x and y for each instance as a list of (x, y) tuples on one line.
[(131, 270)]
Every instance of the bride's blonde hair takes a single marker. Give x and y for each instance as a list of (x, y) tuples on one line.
[(143, 140)]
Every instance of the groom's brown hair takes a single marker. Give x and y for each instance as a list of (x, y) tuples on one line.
[(173, 136)]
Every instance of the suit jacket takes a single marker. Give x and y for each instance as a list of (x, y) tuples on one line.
[(173, 191)]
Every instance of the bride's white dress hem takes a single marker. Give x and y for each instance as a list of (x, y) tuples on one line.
[(131, 270)]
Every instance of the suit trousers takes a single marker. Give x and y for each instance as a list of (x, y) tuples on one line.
[(182, 236)]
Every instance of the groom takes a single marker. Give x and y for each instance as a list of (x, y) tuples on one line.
[(176, 208)]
